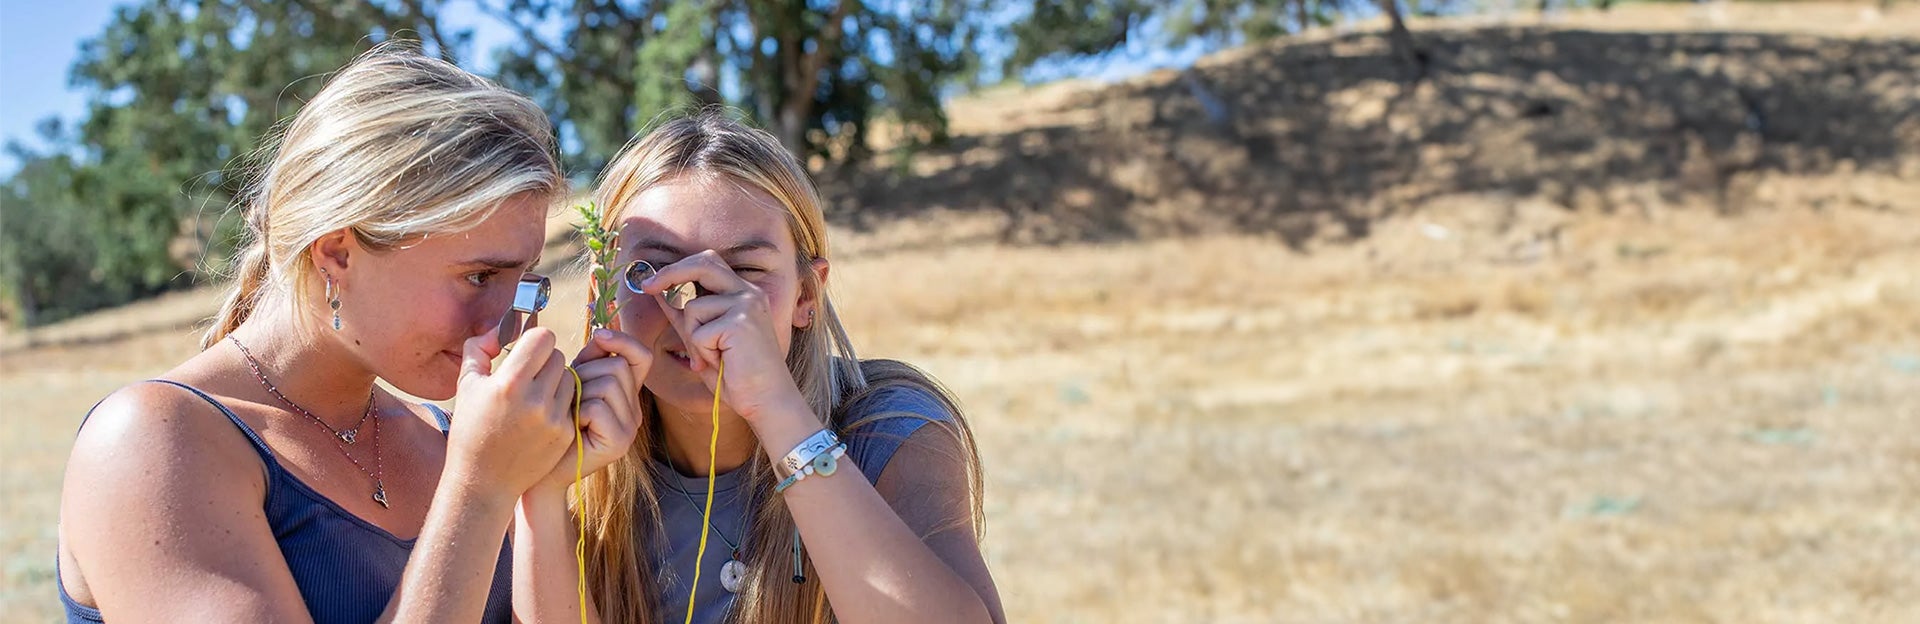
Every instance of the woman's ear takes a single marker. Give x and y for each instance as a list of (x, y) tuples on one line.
[(333, 252), (804, 313)]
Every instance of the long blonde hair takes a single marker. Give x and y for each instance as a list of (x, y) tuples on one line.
[(620, 505), (397, 145)]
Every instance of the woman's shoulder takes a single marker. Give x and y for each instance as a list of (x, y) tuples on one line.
[(151, 458), (899, 413), (142, 450), (901, 401), (896, 390), (159, 427), (438, 417), (188, 400), (154, 413)]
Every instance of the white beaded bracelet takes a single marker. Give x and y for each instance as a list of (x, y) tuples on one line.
[(824, 463)]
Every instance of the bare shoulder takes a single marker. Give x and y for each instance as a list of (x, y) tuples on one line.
[(148, 447), (161, 512), (154, 431)]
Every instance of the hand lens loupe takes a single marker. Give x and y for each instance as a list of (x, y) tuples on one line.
[(530, 296)]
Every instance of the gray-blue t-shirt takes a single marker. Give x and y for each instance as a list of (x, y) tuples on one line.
[(870, 447)]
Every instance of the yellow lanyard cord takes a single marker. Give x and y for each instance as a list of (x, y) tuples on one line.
[(580, 496), (706, 516), (579, 465)]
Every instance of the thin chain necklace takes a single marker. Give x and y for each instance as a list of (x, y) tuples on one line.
[(341, 437), (346, 436), (734, 571)]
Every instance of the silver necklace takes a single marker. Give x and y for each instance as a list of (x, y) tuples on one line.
[(732, 573), (342, 438), (347, 435)]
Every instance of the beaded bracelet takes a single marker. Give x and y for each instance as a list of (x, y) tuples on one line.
[(824, 463)]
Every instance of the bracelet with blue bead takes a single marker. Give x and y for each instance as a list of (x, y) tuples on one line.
[(824, 463)]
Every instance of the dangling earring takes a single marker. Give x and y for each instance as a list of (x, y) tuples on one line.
[(333, 299)]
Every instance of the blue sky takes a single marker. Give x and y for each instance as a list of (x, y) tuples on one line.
[(40, 39)]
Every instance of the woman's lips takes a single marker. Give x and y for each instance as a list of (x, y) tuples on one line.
[(678, 356)]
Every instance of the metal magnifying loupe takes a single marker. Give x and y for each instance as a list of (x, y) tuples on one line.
[(530, 296)]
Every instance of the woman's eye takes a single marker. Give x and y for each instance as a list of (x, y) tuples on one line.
[(480, 279), (743, 270)]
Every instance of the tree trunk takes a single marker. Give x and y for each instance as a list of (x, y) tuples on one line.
[(1300, 14), (706, 74), (1412, 61), (29, 305), (792, 126), (801, 72), (796, 103), (428, 23)]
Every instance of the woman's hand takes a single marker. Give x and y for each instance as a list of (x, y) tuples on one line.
[(611, 367), (731, 322), (514, 419)]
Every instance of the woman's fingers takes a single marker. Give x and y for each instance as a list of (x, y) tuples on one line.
[(593, 350), (710, 340), (627, 351), (611, 392), (705, 268), (704, 309), (478, 353), (716, 312), (604, 437), (529, 356), (556, 383), (613, 374)]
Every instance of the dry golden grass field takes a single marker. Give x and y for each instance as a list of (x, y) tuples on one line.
[(1547, 339)]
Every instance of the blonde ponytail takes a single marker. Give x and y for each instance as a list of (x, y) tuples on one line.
[(249, 274)]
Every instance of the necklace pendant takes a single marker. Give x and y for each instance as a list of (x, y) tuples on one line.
[(348, 435), (732, 575), (380, 495)]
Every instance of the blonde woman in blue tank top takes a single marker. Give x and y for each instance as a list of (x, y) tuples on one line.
[(845, 490), (268, 478)]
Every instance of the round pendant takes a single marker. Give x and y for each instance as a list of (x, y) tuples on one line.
[(732, 575)]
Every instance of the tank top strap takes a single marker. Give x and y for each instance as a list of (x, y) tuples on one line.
[(259, 444), (82, 614), (440, 417)]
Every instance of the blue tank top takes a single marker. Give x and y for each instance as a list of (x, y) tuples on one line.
[(346, 568), (898, 412)]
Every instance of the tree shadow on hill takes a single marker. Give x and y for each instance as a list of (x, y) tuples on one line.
[(1300, 140)]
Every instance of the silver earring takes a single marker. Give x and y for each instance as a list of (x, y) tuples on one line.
[(333, 299)]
